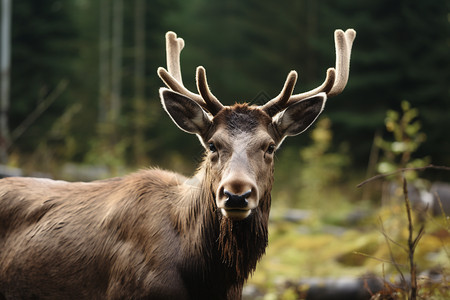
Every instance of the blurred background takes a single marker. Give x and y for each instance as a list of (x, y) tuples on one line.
[(79, 101)]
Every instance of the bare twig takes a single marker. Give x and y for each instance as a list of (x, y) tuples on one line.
[(403, 247), (444, 216), (391, 254), (378, 259), (412, 242), (42, 107), (402, 171)]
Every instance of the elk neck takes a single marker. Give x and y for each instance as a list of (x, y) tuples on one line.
[(211, 243)]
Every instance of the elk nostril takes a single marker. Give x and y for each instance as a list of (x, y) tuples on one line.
[(236, 201), (228, 194), (247, 194)]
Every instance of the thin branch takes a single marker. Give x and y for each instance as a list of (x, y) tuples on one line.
[(444, 216), (41, 108), (401, 171), (403, 247), (391, 254), (378, 259), (412, 242), (408, 210), (419, 236)]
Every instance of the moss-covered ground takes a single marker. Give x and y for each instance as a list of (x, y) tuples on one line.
[(323, 247)]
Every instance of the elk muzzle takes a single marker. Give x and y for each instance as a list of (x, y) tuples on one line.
[(237, 198)]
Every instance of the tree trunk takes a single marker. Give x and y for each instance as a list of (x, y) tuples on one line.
[(139, 81), (104, 61), (116, 60), (5, 63)]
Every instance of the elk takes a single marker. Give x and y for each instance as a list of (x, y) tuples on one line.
[(156, 234)]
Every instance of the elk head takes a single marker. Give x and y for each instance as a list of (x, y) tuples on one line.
[(240, 140)]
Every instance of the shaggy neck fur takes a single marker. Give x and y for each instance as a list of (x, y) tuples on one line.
[(221, 247)]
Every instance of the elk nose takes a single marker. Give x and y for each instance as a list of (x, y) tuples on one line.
[(236, 201)]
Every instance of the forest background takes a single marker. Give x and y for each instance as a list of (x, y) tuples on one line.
[(92, 65), (84, 88)]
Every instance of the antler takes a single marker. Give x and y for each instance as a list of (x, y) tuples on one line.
[(173, 78), (334, 83)]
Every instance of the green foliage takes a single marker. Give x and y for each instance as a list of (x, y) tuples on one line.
[(406, 244), (299, 250), (309, 178), (106, 151), (321, 168), (398, 152)]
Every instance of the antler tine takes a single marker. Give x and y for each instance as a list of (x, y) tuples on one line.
[(335, 80), (279, 102), (343, 43), (213, 104), (173, 79), (174, 85), (174, 46), (337, 77), (326, 86)]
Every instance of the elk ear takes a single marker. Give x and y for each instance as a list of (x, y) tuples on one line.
[(185, 112), (299, 116)]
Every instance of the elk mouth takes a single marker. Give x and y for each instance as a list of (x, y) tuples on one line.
[(236, 214)]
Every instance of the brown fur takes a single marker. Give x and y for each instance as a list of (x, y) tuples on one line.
[(145, 235), (152, 234)]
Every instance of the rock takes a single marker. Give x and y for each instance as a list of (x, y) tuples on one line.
[(297, 215), (6, 171)]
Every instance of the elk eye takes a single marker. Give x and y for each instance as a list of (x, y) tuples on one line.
[(270, 149), (212, 148)]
